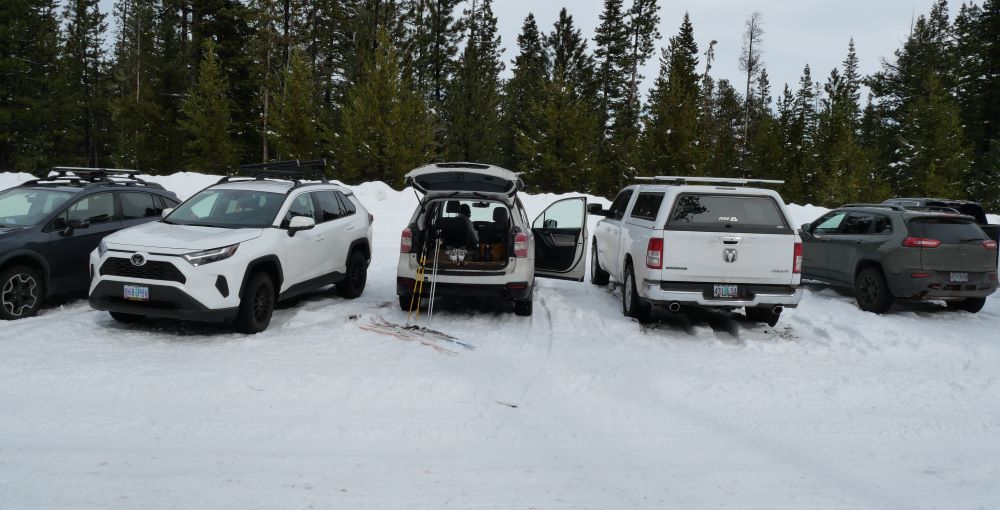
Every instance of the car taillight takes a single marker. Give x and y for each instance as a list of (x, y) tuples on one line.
[(921, 242), (990, 245), (521, 245), (654, 253), (406, 241), (797, 259), (371, 218)]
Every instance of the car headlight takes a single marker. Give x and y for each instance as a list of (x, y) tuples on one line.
[(208, 256), (102, 248)]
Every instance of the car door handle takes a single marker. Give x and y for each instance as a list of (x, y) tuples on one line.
[(320, 237), (349, 228)]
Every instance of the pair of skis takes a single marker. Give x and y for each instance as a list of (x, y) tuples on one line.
[(425, 336)]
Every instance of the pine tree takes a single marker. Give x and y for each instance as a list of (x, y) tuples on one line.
[(433, 46), (266, 71), (386, 128), (29, 50), (85, 94), (727, 129), (799, 127), (207, 118), (751, 63), (766, 154), (299, 129), (472, 105), (524, 95), (671, 139)]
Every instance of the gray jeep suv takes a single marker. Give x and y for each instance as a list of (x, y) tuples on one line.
[(884, 252)]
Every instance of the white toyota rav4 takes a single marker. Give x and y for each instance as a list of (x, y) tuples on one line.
[(472, 220), (719, 245), (233, 250)]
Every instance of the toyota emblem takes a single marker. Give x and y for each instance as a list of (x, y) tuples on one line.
[(138, 260), (729, 255)]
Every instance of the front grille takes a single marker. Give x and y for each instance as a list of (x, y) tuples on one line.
[(151, 270)]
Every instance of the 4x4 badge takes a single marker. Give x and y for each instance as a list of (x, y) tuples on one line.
[(138, 260), (729, 255)]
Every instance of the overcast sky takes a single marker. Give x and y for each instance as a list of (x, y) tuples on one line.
[(797, 31)]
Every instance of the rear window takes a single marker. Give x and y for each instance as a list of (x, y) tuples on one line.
[(647, 206), (727, 213), (947, 230)]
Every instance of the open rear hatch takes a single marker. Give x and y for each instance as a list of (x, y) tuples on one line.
[(445, 178)]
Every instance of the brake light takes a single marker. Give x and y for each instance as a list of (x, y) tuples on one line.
[(797, 258), (920, 275), (406, 241), (990, 245), (654, 253), (921, 242), (521, 245)]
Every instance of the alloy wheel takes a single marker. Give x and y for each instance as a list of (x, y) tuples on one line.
[(628, 292), (262, 303), (19, 294)]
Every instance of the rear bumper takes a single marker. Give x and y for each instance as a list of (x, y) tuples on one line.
[(939, 286), (514, 290), (164, 302), (658, 292)]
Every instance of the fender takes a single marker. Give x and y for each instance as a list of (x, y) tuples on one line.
[(256, 262), (35, 258), (365, 248)]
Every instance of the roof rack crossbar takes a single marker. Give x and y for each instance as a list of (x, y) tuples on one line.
[(934, 208), (673, 179), (292, 170), (880, 206), (92, 177), (81, 170)]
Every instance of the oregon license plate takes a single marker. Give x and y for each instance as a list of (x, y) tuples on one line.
[(133, 293), (725, 291), (960, 277)]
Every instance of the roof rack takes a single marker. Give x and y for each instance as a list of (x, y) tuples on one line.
[(294, 170), (92, 177), (477, 166), (879, 206), (933, 208), (677, 180)]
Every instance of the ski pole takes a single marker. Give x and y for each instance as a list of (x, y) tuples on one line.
[(430, 305)]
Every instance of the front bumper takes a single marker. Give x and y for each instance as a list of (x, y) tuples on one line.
[(751, 295), (164, 302)]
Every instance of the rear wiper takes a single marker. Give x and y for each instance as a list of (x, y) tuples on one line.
[(971, 239)]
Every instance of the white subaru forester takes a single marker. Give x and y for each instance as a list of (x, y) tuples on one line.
[(233, 250)]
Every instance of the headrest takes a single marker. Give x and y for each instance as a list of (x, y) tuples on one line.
[(500, 214), (453, 207), (466, 210)]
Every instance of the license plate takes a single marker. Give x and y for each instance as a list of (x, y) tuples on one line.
[(725, 291), (133, 293), (960, 277)]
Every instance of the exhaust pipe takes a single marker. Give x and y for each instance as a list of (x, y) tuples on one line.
[(777, 309), (674, 307)]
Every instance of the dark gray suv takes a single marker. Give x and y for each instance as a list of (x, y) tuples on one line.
[(887, 252)]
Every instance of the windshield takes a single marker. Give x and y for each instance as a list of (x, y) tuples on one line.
[(21, 207), (228, 208)]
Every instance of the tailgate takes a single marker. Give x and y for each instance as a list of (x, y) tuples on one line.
[(717, 257), (960, 245)]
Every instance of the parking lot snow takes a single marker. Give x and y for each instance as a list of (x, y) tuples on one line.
[(574, 407)]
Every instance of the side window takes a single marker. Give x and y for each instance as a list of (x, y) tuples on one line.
[(329, 206), (620, 203), (647, 206), (168, 203), (302, 205), (97, 208), (346, 205), (883, 225), (138, 205), (829, 224), (857, 224)]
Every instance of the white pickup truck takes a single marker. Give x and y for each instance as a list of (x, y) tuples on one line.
[(717, 245)]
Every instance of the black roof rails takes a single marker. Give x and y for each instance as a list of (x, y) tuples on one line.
[(92, 177), (292, 170), (681, 180), (878, 206), (933, 208)]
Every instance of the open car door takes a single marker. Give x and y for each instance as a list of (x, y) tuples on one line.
[(560, 234)]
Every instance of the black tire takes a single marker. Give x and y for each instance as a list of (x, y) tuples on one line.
[(872, 292), (357, 275), (126, 318), (598, 276), (523, 307), (763, 314), (971, 305), (632, 305), (404, 302), (256, 305), (21, 292)]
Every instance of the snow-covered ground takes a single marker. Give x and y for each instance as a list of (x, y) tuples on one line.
[(575, 407)]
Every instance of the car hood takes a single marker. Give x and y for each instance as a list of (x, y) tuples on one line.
[(185, 238)]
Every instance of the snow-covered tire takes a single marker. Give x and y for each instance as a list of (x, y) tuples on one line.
[(872, 292), (21, 292), (763, 314), (971, 305), (523, 307), (256, 305), (598, 276), (632, 305), (354, 281), (126, 318)]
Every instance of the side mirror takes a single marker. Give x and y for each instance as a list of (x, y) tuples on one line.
[(166, 212), (75, 224), (300, 223), (550, 224), (806, 228), (66, 228), (596, 210)]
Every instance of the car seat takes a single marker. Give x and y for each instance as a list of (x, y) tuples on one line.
[(455, 229)]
